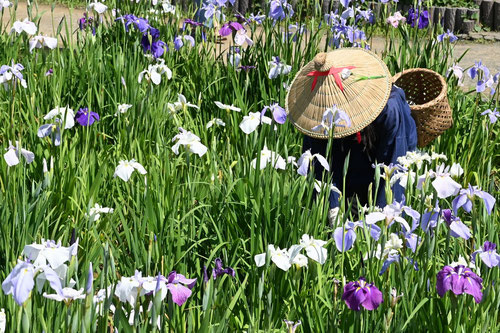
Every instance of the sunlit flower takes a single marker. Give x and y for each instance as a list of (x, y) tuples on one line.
[(332, 117), (459, 280), (241, 38), (153, 73), (12, 74), (467, 196), (14, 152), (68, 295), (96, 211), (181, 104), (125, 169), (277, 68), (179, 287), (190, 142), (4, 4), (306, 159), (42, 41), (360, 293), (493, 115), (84, 117), (457, 228), (267, 156), (123, 108), (488, 254), (98, 7), (252, 121), (447, 35), (279, 257), (26, 26), (65, 116), (50, 252), (292, 326), (396, 19), (215, 121), (227, 107), (279, 113), (314, 248)]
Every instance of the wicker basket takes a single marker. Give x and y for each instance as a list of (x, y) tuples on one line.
[(426, 92)]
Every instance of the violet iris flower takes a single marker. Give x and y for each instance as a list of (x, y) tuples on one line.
[(229, 27), (457, 228), (256, 18), (140, 23), (87, 21), (488, 255), (477, 69), (464, 199), (85, 117), (292, 326), (359, 293), (447, 35), (279, 113), (415, 16), (191, 23), (151, 42), (49, 72), (247, 68), (180, 287), (280, 9), (219, 271), (493, 115), (459, 280), (52, 130)]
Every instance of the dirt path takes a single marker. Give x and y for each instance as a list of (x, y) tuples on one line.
[(50, 18)]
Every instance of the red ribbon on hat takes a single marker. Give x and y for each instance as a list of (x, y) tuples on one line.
[(333, 71)]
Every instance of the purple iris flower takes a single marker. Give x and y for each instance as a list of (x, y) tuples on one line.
[(464, 199), (247, 68), (488, 255), (359, 293), (280, 9), (85, 117), (457, 228), (493, 115), (447, 35), (414, 17), (85, 21), (477, 69), (219, 271), (180, 287), (391, 258), (459, 280), (229, 27), (279, 113), (429, 219), (256, 18), (192, 23), (140, 23), (49, 72), (151, 42)]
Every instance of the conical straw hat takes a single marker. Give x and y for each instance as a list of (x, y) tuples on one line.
[(362, 95)]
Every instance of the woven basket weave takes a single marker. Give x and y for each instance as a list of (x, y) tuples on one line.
[(426, 92)]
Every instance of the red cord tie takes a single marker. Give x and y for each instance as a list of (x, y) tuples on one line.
[(358, 137), (333, 71)]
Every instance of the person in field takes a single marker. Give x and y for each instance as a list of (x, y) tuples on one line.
[(347, 96)]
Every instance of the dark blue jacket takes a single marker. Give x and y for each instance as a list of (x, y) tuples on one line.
[(396, 134)]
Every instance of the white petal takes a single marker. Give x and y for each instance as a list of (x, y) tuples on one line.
[(248, 125), (124, 171), (260, 259), (11, 157)]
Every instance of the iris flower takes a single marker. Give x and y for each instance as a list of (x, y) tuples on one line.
[(493, 115), (153, 73), (215, 121), (98, 7), (421, 17), (346, 236), (292, 326), (5, 4), (467, 196), (141, 24), (227, 107), (65, 116), (26, 26), (229, 27), (179, 287), (279, 113), (12, 74), (241, 38), (125, 169), (181, 104), (219, 270), (277, 68), (444, 185), (252, 121), (332, 117), (392, 213), (447, 35), (477, 70), (151, 42), (459, 280), (279, 257), (488, 254), (123, 108), (85, 117), (267, 156), (280, 9), (53, 130), (314, 248), (457, 71), (457, 228), (306, 159), (41, 41), (360, 293), (96, 211), (234, 56), (190, 142), (14, 152), (396, 19), (68, 295), (179, 41)]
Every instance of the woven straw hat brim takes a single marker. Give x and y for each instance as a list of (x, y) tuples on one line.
[(362, 100)]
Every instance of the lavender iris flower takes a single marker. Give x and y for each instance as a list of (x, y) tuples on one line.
[(85, 117), (429, 219), (477, 69), (493, 115), (359, 293), (229, 27), (418, 17), (180, 287), (52, 130), (191, 23), (279, 113), (346, 236), (391, 258), (139, 23), (292, 326), (219, 271), (12, 74), (49, 72), (258, 18), (87, 21), (90, 279), (459, 280), (447, 35), (457, 228), (247, 68), (280, 9), (488, 255), (464, 199)]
